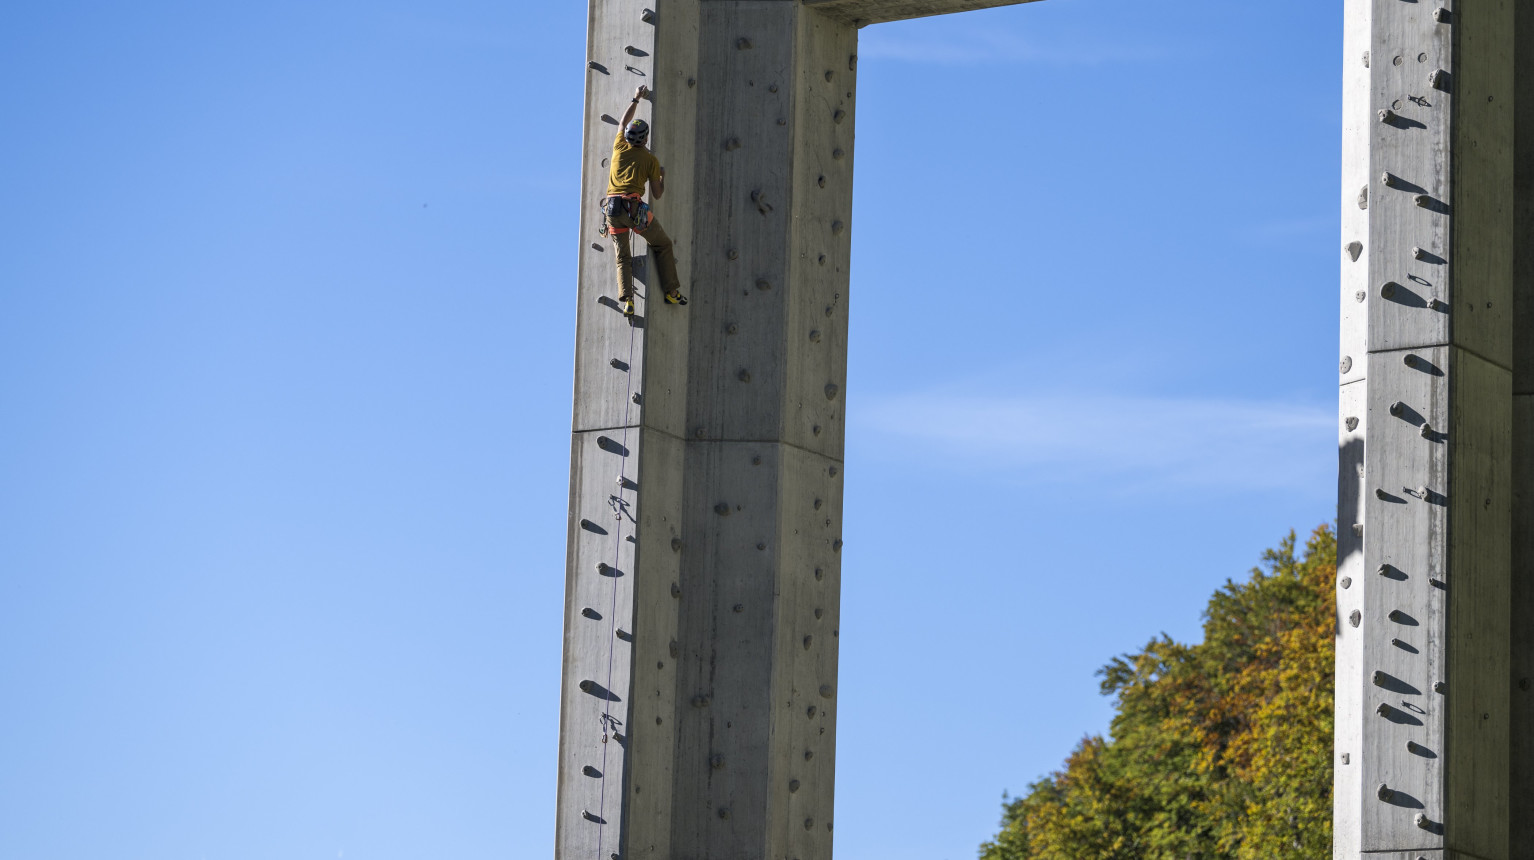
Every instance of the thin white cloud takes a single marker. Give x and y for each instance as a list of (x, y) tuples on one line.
[(998, 46), (1125, 443)]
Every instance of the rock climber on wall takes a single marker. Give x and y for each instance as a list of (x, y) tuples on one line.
[(625, 209)]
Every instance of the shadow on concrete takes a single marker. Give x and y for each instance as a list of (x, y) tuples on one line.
[(1396, 685)]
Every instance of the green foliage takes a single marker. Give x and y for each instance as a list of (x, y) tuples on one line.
[(1218, 750)]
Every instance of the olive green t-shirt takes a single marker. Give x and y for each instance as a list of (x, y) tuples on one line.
[(630, 168)]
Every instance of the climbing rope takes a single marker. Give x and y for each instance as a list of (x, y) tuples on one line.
[(620, 508)]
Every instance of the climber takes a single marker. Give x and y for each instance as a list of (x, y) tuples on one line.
[(624, 208)]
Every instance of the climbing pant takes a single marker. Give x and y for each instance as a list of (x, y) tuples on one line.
[(618, 228)]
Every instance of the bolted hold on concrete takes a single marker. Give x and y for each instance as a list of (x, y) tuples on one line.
[(724, 813), (619, 363), (809, 824), (743, 44), (1351, 424), (837, 227), (1438, 80), (1346, 364), (1355, 618), (722, 509), (647, 16), (1381, 495), (1387, 115), (676, 590), (1418, 254), (1363, 197), (793, 786), (1388, 290), (732, 254), (819, 574), (1423, 201), (1410, 360), (838, 153), (810, 712), (676, 544), (809, 754), (1427, 431), (1388, 179), (839, 115), (587, 686), (1354, 249), (819, 612), (815, 336), (827, 691), (1397, 408), (1346, 582), (1383, 792), (592, 614), (591, 772), (1379, 679), (744, 375), (637, 398), (1396, 615), (740, 607), (1440, 687), (592, 816), (808, 640), (1421, 820), (1384, 570), (831, 390), (716, 762), (700, 701), (1442, 15), (763, 284), (732, 144), (1360, 296)]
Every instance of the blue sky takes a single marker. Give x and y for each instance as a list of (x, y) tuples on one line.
[(286, 322)]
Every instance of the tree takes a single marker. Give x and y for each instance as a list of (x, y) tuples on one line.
[(1218, 750)]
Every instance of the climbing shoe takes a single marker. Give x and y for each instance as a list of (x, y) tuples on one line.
[(628, 307), (676, 298)]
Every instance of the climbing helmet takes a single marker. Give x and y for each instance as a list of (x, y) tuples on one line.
[(637, 132)]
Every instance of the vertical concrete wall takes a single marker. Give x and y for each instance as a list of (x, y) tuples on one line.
[(710, 672), (1426, 409), (1521, 619)]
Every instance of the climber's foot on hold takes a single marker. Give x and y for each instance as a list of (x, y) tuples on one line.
[(627, 305), (676, 298)]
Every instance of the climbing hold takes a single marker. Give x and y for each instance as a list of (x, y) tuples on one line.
[(633, 51), (1418, 254), (1397, 616), (810, 712), (676, 590), (1346, 582), (732, 144), (619, 364), (819, 574), (815, 336), (838, 153), (763, 284), (596, 247), (739, 607), (793, 786), (1423, 201), (1382, 495), (1379, 679), (1351, 424), (700, 701), (716, 762), (818, 503), (1387, 115), (591, 772), (815, 429), (743, 375), (731, 328), (1355, 618), (831, 390), (760, 200), (1440, 687), (761, 546), (637, 398), (819, 612), (591, 816), (1442, 15), (724, 813), (1384, 792), (1397, 408), (1346, 364), (1427, 431), (692, 82), (587, 686), (1354, 249), (836, 545), (592, 614), (1363, 198), (826, 691), (1421, 820), (1388, 179), (809, 754), (1360, 296), (1366, 59), (1383, 570), (828, 75), (743, 44), (1410, 361), (839, 115), (807, 641), (732, 254), (722, 509), (772, 88), (809, 823), (1388, 290), (1438, 80)]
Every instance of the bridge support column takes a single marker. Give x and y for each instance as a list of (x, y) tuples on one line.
[(1425, 688)]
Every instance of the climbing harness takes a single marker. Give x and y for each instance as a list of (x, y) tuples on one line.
[(624, 212)]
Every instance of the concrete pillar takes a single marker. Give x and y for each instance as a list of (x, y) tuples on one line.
[(1425, 508), (1522, 620), (698, 715)]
